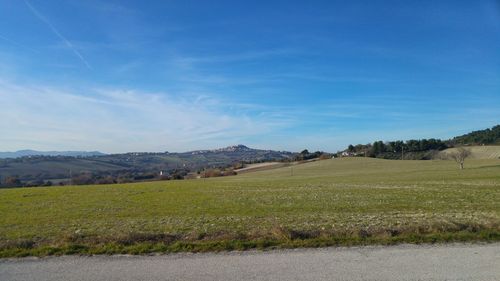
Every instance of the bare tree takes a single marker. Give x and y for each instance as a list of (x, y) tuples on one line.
[(459, 155)]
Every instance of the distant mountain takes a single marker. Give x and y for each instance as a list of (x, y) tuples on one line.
[(24, 153)]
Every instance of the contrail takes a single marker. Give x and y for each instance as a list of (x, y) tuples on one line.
[(56, 32)]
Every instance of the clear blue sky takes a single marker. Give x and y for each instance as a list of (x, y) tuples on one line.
[(120, 76)]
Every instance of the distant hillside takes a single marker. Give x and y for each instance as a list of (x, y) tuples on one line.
[(481, 137), (24, 153), (424, 149), (53, 167), (132, 166)]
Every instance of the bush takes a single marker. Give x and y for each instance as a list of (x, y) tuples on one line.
[(210, 173)]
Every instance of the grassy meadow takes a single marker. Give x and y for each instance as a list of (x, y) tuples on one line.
[(349, 201)]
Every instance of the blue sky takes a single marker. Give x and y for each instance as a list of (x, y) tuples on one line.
[(120, 76)]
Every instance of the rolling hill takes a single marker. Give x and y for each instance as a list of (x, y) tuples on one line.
[(425, 149), (37, 167), (133, 165), (480, 137), (477, 152)]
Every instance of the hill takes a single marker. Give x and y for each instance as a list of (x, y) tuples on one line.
[(346, 201), (130, 167), (481, 137), (54, 167), (423, 149), (477, 152)]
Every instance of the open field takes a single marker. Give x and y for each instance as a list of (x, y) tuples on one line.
[(261, 167), (350, 201)]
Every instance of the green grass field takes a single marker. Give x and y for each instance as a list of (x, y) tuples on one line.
[(350, 201)]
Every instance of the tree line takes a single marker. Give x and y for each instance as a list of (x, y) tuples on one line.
[(480, 137), (411, 149), (423, 149)]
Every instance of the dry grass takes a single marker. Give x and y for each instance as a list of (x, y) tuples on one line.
[(477, 152)]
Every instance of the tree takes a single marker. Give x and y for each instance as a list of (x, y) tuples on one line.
[(210, 173), (459, 155), (378, 148), (83, 178)]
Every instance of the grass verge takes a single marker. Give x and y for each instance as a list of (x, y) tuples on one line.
[(277, 238)]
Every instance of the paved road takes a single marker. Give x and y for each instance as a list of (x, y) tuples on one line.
[(450, 262)]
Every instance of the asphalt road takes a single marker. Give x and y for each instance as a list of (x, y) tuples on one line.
[(448, 262)]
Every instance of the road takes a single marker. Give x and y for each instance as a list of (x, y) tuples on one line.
[(443, 262)]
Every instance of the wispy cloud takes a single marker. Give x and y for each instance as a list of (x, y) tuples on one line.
[(58, 34), (117, 120), (114, 119)]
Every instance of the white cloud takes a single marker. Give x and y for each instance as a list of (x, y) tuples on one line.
[(118, 120)]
